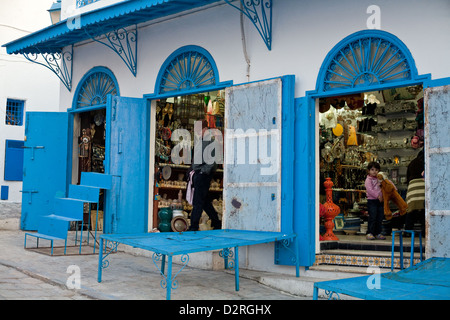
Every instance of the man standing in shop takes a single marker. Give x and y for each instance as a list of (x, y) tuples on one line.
[(204, 172)]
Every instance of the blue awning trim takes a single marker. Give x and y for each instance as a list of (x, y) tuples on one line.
[(73, 30)]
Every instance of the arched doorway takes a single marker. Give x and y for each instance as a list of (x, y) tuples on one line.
[(369, 108), (89, 113), (187, 90)]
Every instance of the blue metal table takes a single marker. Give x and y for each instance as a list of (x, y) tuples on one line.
[(170, 244), (427, 280)]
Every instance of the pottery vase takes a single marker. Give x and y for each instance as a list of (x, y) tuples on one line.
[(165, 217), (331, 211)]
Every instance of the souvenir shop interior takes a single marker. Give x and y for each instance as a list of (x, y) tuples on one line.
[(171, 210), (383, 126), (89, 132)]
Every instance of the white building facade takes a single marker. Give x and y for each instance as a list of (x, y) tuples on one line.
[(295, 42)]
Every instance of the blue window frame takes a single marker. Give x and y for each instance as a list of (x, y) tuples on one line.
[(14, 160), (82, 3), (14, 112), (367, 60), (186, 70), (94, 88)]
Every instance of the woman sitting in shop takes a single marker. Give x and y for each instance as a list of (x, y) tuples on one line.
[(374, 202), (415, 196)]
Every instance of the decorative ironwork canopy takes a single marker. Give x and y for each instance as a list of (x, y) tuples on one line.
[(260, 14), (109, 25), (115, 26)]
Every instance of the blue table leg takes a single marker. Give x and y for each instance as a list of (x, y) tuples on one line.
[(236, 266), (392, 251), (163, 264), (225, 259), (401, 250), (81, 235), (100, 261), (315, 293), (420, 243), (95, 233), (411, 262), (169, 278), (297, 262)]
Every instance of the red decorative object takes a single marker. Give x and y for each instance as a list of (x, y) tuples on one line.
[(331, 211)]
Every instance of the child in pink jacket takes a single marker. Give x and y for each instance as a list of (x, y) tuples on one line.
[(374, 202)]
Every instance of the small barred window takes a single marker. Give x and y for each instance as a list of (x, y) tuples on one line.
[(14, 112)]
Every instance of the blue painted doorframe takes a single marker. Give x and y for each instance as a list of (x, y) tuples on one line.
[(305, 179), (306, 210)]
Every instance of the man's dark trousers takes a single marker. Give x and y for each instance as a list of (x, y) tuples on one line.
[(202, 201)]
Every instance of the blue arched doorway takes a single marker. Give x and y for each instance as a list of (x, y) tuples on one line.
[(187, 80), (365, 61)]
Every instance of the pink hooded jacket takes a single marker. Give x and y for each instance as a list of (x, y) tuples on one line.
[(373, 188)]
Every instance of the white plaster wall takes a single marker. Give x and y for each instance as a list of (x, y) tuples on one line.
[(21, 79), (303, 33)]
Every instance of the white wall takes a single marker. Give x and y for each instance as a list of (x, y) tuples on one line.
[(21, 79)]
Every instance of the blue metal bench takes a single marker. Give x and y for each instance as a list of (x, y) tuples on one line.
[(427, 280), (56, 225), (50, 228), (100, 181), (169, 244)]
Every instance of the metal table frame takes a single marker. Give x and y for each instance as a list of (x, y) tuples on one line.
[(169, 244), (427, 280)]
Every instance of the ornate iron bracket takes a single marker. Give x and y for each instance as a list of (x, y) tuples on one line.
[(260, 14), (112, 246), (332, 295), (168, 282), (286, 244), (122, 41), (228, 257), (60, 63)]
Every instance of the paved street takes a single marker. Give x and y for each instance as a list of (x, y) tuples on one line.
[(20, 285), (25, 274)]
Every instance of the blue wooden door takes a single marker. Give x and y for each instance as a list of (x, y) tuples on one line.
[(252, 172), (258, 175), (44, 165), (437, 167), (126, 208)]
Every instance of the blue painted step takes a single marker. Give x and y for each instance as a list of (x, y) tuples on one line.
[(94, 179), (69, 208), (56, 225), (85, 193)]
